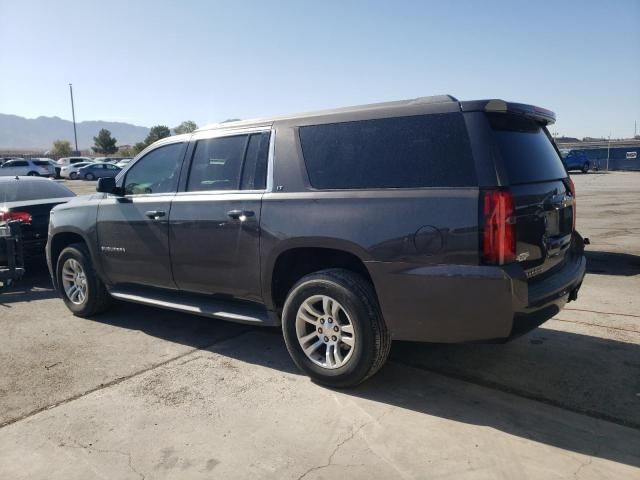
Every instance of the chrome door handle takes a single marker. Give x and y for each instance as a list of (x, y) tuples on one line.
[(240, 214), (155, 214)]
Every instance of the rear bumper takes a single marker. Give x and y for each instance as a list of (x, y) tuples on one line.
[(467, 303)]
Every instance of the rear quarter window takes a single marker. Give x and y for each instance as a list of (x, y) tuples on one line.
[(525, 148), (402, 152)]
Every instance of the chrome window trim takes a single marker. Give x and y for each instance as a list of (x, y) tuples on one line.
[(207, 134), (270, 159)]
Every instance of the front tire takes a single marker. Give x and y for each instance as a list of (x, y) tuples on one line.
[(32, 174), (73, 175), (82, 291), (333, 328), (89, 176), (585, 168)]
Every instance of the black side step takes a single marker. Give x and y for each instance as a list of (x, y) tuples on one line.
[(196, 304)]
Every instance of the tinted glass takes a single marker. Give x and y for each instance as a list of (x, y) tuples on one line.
[(41, 163), (254, 172), (23, 190), (16, 163), (526, 149), (217, 164), (157, 172), (404, 152)]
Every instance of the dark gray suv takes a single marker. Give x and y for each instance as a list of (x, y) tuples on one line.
[(429, 220)]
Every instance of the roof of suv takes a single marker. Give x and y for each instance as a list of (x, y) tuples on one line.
[(436, 102)]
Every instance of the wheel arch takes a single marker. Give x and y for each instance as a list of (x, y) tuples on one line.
[(61, 240), (297, 259)]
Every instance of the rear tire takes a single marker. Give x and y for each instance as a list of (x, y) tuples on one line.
[(89, 176), (74, 269), (360, 344), (33, 174), (585, 168), (73, 175)]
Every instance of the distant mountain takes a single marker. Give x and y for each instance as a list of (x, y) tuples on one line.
[(39, 133)]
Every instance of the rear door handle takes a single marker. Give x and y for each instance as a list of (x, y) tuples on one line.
[(155, 214), (240, 214)]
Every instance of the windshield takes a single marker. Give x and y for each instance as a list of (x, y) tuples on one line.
[(526, 150)]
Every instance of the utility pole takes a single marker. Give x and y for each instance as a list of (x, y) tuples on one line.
[(73, 114), (608, 148)]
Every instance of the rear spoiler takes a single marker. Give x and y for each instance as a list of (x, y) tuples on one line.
[(542, 115)]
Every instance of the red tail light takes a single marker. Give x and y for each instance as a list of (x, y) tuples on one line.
[(572, 189), (499, 237), (24, 217)]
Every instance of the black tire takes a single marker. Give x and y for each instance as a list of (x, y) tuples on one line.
[(73, 176), (89, 176), (33, 174), (585, 168), (97, 299), (357, 297)]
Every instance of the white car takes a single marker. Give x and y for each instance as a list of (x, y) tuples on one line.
[(124, 162), (48, 164), (24, 167), (71, 171), (71, 160)]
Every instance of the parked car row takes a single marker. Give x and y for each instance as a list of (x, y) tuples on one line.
[(66, 167)]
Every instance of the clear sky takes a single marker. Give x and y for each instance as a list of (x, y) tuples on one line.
[(161, 62)]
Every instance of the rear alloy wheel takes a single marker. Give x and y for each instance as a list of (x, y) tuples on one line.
[(333, 328), (89, 176), (325, 331), (585, 168)]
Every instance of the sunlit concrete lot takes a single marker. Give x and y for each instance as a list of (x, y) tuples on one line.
[(146, 393)]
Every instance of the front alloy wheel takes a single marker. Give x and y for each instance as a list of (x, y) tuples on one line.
[(74, 281), (81, 289)]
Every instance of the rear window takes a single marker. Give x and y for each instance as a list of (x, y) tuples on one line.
[(41, 163), (526, 149), (404, 152), (24, 190)]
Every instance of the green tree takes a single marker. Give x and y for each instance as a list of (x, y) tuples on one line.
[(138, 147), (187, 126), (156, 133), (61, 148), (104, 143)]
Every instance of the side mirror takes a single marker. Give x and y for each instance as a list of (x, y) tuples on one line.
[(107, 185)]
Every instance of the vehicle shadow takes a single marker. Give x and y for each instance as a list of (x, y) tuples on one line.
[(612, 263), (577, 373), (35, 285)]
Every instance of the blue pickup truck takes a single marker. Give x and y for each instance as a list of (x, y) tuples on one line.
[(577, 160)]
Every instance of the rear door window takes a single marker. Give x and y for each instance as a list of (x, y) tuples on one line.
[(254, 171), (526, 150), (217, 163), (403, 152)]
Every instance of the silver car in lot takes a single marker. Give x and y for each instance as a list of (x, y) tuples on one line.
[(25, 167), (71, 171)]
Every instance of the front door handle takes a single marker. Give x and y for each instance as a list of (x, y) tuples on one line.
[(155, 214), (240, 214)]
